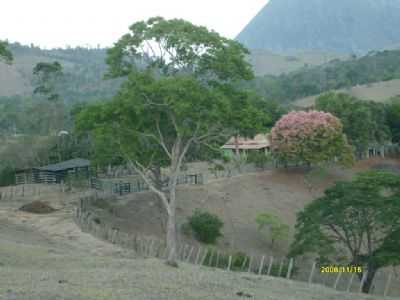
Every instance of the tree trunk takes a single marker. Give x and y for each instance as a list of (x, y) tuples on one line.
[(171, 223), (171, 241), (366, 288), (237, 145)]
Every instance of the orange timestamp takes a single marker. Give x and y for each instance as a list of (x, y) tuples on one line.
[(341, 269)]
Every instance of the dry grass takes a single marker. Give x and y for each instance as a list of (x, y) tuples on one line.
[(379, 92)]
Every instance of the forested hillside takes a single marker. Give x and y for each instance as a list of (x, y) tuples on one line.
[(83, 71), (374, 67)]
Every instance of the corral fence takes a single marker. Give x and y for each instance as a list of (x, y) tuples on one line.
[(126, 187), (386, 281), (29, 190)]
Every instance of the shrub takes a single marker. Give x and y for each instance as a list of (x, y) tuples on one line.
[(259, 159), (206, 226), (238, 259), (7, 176), (272, 226)]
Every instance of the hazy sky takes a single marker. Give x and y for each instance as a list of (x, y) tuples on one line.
[(57, 23)]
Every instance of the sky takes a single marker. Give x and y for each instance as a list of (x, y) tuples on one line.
[(61, 23)]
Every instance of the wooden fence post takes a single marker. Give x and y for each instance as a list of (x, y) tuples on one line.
[(337, 280), (244, 262), (280, 267), (271, 261), (198, 256), (388, 282), (310, 278), (290, 267), (190, 254), (261, 265), (350, 282), (217, 262), (211, 258), (364, 277), (229, 263), (250, 261), (204, 257)]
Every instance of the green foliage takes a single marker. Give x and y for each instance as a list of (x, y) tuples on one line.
[(239, 260), (5, 53), (359, 220), (374, 67), (273, 227), (206, 227), (179, 96), (216, 167), (7, 176), (393, 117), (259, 158), (47, 75), (364, 122)]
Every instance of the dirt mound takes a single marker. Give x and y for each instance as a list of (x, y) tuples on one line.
[(37, 207)]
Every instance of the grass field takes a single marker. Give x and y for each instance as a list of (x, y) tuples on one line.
[(379, 92)]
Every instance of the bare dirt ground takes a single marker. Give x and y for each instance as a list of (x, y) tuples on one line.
[(237, 201), (46, 257)]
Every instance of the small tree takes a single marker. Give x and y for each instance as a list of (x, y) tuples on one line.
[(310, 137), (47, 75), (273, 227), (358, 221), (207, 227), (5, 54)]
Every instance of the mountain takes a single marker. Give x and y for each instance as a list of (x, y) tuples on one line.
[(349, 26)]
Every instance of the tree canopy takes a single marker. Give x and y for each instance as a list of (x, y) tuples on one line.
[(356, 222), (180, 91), (364, 122), (393, 119), (5, 54), (309, 137)]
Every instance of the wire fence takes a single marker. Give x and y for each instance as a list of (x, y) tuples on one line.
[(347, 279)]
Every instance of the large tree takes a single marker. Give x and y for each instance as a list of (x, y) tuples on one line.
[(180, 92), (358, 221), (5, 54), (364, 122), (309, 137), (47, 78)]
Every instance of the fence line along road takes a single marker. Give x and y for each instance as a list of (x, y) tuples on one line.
[(286, 268)]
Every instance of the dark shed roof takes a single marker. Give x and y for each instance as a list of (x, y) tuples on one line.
[(66, 165)]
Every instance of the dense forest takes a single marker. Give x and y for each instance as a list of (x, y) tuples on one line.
[(374, 67)]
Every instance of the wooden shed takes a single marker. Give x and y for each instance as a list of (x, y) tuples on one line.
[(54, 173)]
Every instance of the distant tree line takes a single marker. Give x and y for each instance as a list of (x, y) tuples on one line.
[(337, 74)]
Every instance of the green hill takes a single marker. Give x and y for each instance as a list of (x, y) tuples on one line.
[(83, 73), (337, 74)]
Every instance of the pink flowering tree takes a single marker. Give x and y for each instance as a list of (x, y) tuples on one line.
[(310, 137)]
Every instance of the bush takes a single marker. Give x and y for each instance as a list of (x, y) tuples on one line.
[(273, 227), (238, 259), (7, 176), (259, 159), (206, 226)]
